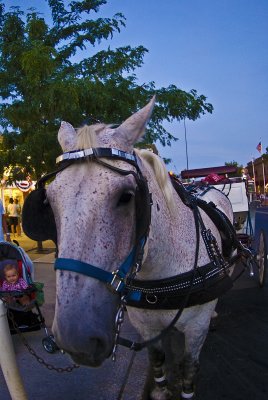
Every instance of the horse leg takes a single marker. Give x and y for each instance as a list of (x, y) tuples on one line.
[(190, 369), (157, 361), (174, 345), (193, 346)]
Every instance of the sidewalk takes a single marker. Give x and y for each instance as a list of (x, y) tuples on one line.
[(123, 380), (30, 246)]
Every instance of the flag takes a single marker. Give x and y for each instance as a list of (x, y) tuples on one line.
[(259, 147)]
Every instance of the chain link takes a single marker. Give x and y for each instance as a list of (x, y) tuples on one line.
[(34, 354), (119, 319)]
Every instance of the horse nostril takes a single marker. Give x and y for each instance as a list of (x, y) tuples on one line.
[(98, 346)]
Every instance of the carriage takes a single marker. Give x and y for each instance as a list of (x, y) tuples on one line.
[(250, 215)]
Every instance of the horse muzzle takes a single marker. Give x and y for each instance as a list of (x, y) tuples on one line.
[(95, 358), (91, 349), (85, 329)]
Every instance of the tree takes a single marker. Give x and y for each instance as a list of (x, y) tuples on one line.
[(238, 168), (42, 82)]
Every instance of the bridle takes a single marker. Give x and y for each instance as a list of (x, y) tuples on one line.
[(117, 279), (121, 279), (124, 275)]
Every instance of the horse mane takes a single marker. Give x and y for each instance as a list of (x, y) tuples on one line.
[(161, 175), (87, 138)]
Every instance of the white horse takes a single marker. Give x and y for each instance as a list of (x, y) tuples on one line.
[(99, 201)]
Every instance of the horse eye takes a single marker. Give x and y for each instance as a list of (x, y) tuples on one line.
[(125, 198)]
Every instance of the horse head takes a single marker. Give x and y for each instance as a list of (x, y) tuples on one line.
[(93, 204)]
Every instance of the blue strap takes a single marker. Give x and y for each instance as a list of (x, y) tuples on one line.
[(68, 264)]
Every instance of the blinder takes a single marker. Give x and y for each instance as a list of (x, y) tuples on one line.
[(38, 220), (143, 203)]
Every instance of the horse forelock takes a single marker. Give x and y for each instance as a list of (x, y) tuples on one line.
[(87, 135)]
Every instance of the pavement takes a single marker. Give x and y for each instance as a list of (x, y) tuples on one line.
[(233, 360), (124, 379)]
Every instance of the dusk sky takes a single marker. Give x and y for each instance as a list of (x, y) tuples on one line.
[(219, 48)]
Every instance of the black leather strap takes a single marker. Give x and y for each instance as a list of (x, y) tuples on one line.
[(209, 283)]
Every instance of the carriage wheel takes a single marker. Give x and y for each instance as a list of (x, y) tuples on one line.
[(262, 258), (49, 344)]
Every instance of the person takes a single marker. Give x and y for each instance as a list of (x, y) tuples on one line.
[(13, 215), (3, 225), (12, 282), (245, 174), (19, 217)]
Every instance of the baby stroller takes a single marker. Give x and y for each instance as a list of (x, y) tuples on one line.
[(22, 318)]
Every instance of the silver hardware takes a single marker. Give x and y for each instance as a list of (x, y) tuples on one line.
[(88, 152), (119, 319), (250, 266), (151, 298), (71, 155), (59, 158), (137, 268), (74, 155), (116, 281), (120, 153)]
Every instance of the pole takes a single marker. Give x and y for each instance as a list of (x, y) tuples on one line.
[(253, 169), (263, 173), (186, 147), (8, 361)]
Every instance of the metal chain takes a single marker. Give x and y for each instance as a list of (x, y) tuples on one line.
[(34, 354), (119, 319)]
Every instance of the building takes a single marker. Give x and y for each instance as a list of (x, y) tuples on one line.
[(17, 190), (258, 170)]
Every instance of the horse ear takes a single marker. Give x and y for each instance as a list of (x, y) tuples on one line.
[(133, 128), (67, 137)]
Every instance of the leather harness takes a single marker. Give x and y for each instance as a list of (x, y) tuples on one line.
[(202, 285), (198, 286)]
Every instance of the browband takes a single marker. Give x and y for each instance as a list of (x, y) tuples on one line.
[(69, 157), (97, 152)]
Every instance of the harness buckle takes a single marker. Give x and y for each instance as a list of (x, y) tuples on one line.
[(117, 281)]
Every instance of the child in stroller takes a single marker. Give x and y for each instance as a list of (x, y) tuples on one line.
[(13, 282), (20, 294), (17, 290)]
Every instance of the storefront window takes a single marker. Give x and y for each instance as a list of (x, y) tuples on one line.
[(13, 193)]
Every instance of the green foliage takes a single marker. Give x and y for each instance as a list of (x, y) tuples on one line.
[(41, 84), (238, 168)]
